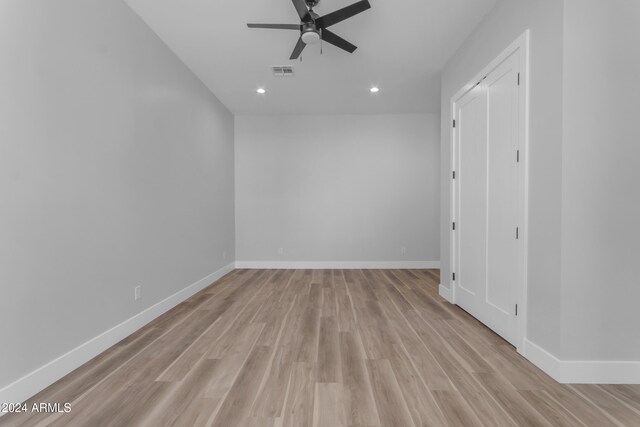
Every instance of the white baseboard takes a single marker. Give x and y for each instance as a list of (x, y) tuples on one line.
[(445, 293), (542, 359), (342, 265), (582, 372), (41, 378)]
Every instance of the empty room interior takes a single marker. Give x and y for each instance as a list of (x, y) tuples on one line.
[(292, 213)]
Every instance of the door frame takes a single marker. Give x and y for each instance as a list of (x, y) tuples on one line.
[(521, 44)]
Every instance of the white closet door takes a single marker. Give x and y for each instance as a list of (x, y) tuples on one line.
[(471, 218), (487, 199)]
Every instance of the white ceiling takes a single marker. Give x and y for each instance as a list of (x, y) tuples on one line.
[(402, 46)]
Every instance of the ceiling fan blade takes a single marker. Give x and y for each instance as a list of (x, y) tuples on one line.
[(298, 49), (301, 8), (338, 41), (276, 26), (342, 14)]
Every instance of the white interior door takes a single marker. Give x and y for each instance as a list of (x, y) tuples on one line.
[(486, 254)]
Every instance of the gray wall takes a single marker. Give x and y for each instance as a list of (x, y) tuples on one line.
[(116, 170), (601, 173), (503, 25), (337, 188)]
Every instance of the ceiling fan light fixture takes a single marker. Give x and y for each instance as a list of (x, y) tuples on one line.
[(310, 37)]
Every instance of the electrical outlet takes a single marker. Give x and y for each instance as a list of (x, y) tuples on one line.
[(137, 293), (403, 250), (281, 251)]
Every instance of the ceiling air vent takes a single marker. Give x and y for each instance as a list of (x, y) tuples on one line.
[(282, 71)]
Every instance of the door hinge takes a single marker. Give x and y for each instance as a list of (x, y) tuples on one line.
[(516, 309), (518, 156), (454, 226), (517, 233), (518, 79), (481, 80), (453, 275), (454, 174), (454, 122)]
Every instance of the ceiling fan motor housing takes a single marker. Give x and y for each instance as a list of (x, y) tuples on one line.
[(310, 34)]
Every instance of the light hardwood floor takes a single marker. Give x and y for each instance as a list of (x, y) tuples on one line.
[(323, 348)]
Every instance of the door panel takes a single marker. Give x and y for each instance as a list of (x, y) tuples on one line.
[(471, 219), (502, 262)]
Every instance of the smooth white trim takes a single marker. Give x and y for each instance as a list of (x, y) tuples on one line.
[(445, 292), (32, 383), (525, 134), (338, 265), (542, 359), (582, 371), (522, 44)]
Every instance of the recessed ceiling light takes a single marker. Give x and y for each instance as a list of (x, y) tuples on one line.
[(374, 89), (261, 91)]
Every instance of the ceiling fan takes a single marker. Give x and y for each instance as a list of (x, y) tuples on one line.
[(313, 27)]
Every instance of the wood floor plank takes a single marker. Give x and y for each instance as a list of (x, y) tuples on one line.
[(456, 409), (392, 408), (328, 407), (555, 413), (276, 310), (423, 361), (466, 352), (322, 348), (360, 407), (419, 399), (236, 407), (476, 334), (178, 369), (329, 351), (444, 355), (358, 286), (233, 305), (298, 411), (484, 406), (514, 404), (518, 370), (196, 414), (250, 308), (269, 311), (581, 408), (629, 394), (374, 329), (329, 302), (130, 407), (270, 400), (625, 415), (230, 366), (420, 299), (346, 313), (310, 332), (182, 394)]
